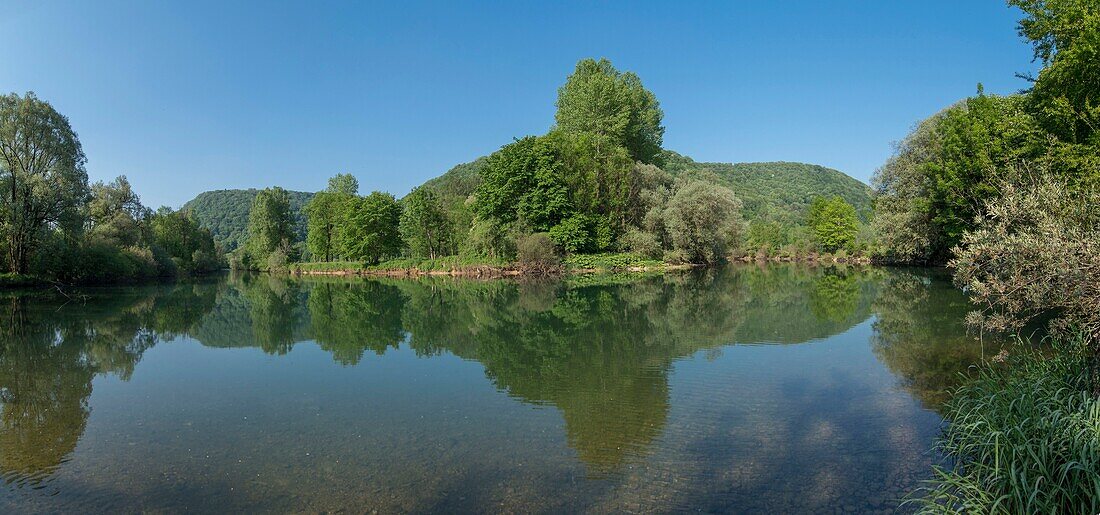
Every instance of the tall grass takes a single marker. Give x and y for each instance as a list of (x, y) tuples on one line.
[(1024, 437)]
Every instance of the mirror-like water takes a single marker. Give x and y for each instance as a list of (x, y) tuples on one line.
[(783, 388)]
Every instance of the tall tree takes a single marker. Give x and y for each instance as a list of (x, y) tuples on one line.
[(343, 183), (424, 226), (270, 222), (43, 183), (324, 213), (834, 222), (612, 105), (369, 229)]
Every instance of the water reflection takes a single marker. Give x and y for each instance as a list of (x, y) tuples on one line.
[(600, 350)]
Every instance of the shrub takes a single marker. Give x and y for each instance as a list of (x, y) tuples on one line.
[(489, 239), (574, 234), (537, 252), (641, 243)]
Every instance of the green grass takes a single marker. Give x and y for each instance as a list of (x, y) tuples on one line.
[(438, 264), (611, 261), (1024, 437), (331, 266)]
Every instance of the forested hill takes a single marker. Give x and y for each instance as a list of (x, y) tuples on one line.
[(780, 191), (225, 213)]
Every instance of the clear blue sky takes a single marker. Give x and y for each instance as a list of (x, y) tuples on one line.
[(188, 96)]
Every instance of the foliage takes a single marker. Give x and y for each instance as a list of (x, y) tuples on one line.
[(703, 221), (1024, 438), (614, 107), (343, 184), (612, 261), (424, 225), (369, 229), (489, 238), (1066, 38), (642, 243), (834, 223), (189, 246), (1037, 250), (524, 182), (225, 213), (270, 225), (324, 216), (42, 176), (536, 252)]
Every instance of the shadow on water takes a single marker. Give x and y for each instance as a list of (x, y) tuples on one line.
[(601, 350)]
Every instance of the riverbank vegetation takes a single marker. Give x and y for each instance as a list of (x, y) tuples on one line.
[(1005, 190), (594, 185), (56, 227)]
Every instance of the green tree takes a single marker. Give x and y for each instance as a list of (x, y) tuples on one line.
[(343, 183), (703, 220), (190, 246), (940, 177), (1066, 38), (523, 181), (424, 226), (834, 223), (369, 230), (270, 224), (324, 213), (43, 183), (115, 213), (601, 100)]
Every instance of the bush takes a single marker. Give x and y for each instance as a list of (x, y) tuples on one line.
[(489, 239), (574, 234), (537, 252), (641, 243)]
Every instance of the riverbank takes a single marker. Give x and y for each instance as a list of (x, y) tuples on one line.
[(455, 266), (1023, 436)]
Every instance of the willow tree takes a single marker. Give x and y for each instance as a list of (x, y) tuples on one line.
[(43, 184)]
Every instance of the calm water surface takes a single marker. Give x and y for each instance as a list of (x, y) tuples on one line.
[(746, 389)]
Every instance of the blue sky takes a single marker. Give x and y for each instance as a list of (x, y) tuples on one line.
[(184, 97)]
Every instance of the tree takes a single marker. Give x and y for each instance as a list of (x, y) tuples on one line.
[(599, 99), (424, 226), (270, 223), (343, 183), (190, 246), (703, 220), (834, 223), (43, 183), (115, 213), (1066, 38), (324, 213), (369, 229), (940, 177), (524, 181)]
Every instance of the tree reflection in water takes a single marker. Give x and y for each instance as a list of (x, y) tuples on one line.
[(598, 348)]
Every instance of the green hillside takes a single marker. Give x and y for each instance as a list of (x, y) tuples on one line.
[(225, 213), (780, 191)]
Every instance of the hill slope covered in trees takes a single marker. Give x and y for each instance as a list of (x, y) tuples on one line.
[(780, 191), (225, 213)]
